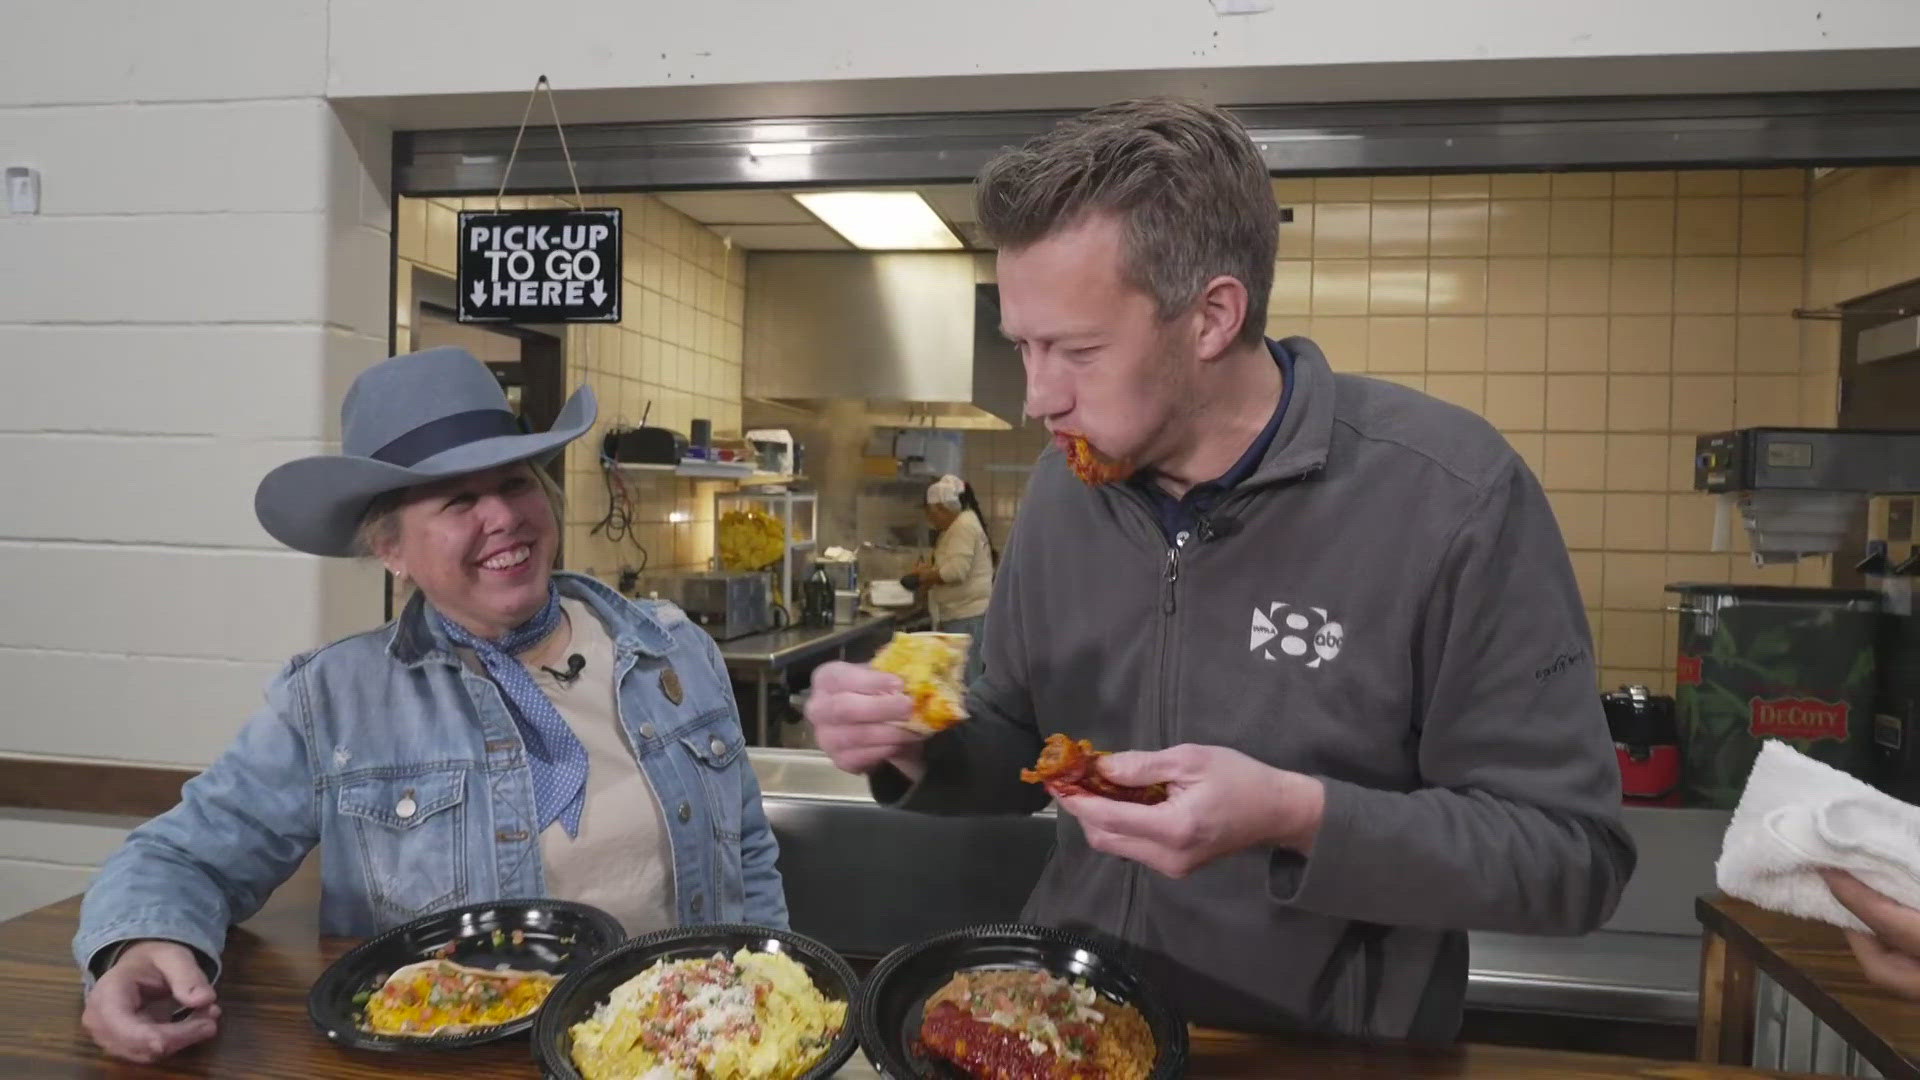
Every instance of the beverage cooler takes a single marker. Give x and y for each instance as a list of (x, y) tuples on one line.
[(1759, 662)]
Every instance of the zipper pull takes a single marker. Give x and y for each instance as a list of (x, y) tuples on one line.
[(1173, 575)]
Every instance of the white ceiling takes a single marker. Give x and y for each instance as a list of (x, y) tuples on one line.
[(770, 220)]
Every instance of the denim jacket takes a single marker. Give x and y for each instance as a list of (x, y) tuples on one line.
[(354, 731)]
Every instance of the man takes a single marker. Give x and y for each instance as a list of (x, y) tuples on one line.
[(1333, 615)]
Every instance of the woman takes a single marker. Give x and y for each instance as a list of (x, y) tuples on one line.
[(959, 580), (514, 733)]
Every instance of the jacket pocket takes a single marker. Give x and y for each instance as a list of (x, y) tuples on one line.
[(719, 753), (718, 749), (409, 830), (1349, 986)]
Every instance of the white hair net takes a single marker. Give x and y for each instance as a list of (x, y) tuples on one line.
[(945, 492)]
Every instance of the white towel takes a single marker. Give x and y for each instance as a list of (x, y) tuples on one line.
[(1798, 816)]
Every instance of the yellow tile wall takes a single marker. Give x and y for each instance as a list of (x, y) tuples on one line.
[(1863, 234), (1600, 321), (678, 349)]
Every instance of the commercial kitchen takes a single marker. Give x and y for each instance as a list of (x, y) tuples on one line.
[(1697, 328)]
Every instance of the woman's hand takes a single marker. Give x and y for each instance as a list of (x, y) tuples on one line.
[(130, 1009)]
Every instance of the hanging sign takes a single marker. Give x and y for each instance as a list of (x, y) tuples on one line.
[(540, 266)]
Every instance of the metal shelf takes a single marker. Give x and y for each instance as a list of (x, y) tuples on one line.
[(713, 470)]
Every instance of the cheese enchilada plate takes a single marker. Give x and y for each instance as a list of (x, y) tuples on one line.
[(457, 978), (1011, 999)]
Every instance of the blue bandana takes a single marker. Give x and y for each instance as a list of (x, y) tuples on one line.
[(554, 754)]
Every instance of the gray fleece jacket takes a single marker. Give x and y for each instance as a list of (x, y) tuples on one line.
[(1386, 604)]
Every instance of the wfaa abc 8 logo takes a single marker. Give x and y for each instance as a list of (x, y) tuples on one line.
[(1290, 631)]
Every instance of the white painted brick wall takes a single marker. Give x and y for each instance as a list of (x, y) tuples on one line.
[(207, 275), (240, 382), (146, 709), (85, 51), (187, 158), (46, 857), (189, 490), (826, 54)]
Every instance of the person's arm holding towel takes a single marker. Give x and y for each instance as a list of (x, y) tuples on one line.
[(1890, 956)]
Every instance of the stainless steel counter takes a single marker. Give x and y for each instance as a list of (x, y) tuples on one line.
[(778, 649), (764, 658), (865, 879)]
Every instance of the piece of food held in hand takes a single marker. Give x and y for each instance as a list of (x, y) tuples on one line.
[(1092, 466), (441, 998), (754, 1016), (933, 665), (1033, 1025), (1072, 767)]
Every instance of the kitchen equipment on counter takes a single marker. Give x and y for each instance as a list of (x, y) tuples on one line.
[(726, 604), (1646, 740), (749, 538), (780, 526), (775, 449), (928, 452), (1760, 662), (888, 593), (816, 598), (844, 574), (1799, 490), (846, 606), (644, 446), (1896, 721)]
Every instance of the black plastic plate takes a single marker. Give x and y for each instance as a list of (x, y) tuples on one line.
[(558, 937), (583, 991), (897, 989)]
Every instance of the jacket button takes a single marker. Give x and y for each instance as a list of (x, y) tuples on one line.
[(696, 903), (717, 747), (646, 731), (685, 812), (406, 806)]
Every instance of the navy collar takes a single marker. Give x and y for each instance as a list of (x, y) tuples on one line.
[(1180, 515)]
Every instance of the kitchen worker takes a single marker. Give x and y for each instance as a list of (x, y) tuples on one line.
[(959, 577), (1334, 615), (514, 733)]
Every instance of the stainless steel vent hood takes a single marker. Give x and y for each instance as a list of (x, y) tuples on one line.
[(912, 334)]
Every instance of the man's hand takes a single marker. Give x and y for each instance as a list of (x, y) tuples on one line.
[(1891, 955), (1219, 801), (857, 713), (130, 1008)]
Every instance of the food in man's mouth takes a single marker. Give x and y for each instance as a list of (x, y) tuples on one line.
[(1033, 1025), (754, 1016), (438, 997), (933, 666), (1092, 466), (1072, 767)]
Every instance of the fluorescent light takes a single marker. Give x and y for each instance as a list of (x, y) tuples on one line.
[(881, 220), (679, 517), (777, 149)]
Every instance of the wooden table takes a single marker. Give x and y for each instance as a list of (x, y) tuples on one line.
[(1810, 961), (272, 959)]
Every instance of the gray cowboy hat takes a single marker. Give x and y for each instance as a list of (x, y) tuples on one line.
[(407, 420)]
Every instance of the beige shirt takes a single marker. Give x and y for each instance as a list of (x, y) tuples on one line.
[(622, 861), (963, 557)]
